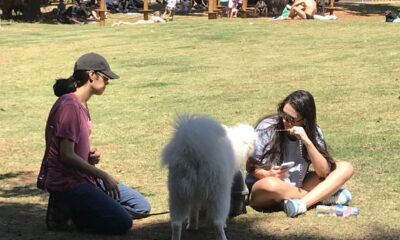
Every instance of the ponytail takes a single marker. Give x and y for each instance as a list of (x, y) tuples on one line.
[(64, 86), (68, 85)]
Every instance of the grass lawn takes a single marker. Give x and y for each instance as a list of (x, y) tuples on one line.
[(235, 70)]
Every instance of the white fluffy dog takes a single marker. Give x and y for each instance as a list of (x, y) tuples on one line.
[(202, 158)]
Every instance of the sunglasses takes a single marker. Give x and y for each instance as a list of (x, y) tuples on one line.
[(105, 78), (291, 120)]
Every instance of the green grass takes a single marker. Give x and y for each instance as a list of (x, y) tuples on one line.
[(234, 70)]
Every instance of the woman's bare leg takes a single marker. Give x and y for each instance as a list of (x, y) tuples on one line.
[(321, 189), (269, 191)]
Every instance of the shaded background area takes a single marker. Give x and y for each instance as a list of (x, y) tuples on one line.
[(25, 220), (32, 10), (365, 9), (27, 10)]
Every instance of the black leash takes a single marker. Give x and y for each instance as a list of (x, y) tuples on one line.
[(159, 213)]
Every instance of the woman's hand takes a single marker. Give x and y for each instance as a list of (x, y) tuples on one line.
[(318, 161), (94, 156), (277, 171), (111, 186), (299, 133)]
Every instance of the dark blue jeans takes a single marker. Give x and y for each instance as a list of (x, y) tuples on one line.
[(95, 211)]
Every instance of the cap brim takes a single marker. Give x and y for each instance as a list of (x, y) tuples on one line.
[(110, 74)]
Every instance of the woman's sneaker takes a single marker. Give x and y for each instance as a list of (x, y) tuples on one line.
[(58, 217), (293, 207), (341, 197)]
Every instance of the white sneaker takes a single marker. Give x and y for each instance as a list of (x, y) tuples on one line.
[(341, 197), (293, 207)]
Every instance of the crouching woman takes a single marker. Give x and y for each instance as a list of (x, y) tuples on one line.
[(80, 192)]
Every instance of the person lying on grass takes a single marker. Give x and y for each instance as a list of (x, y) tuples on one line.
[(153, 19), (292, 135), (303, 9)]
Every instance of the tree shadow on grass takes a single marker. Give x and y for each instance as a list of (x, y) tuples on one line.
[(243, 229), (363, 9), (21, 191), (12, 175), (19, 184), (27, 221)]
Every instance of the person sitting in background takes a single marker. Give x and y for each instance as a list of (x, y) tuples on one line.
[(61, 6), (73, 15), (199, 4), (155, 18), (91, 7), (186, 6)]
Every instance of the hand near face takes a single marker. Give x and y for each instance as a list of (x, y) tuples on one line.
[(299, 133)]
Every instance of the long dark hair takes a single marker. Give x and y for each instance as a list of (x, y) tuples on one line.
[(68, 85), (303, 102)]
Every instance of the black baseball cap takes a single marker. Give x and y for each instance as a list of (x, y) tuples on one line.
[(94, 62)]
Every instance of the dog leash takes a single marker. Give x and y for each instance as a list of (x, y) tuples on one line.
[(141, 215), (159, 213), (145, 215)]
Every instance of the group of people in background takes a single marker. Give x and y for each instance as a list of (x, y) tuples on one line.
[(82, 12)]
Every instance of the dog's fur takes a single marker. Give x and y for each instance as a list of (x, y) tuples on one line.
[(202, 158)]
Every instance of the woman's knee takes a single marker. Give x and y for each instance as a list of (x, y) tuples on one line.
[(118, 226), (265, 192), (268, 184), (345, 168), (143, 206)]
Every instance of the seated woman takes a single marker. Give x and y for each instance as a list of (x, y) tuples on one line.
[(73, 15), (293, 135)]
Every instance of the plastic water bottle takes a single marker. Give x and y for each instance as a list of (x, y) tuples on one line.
[(337, 210)]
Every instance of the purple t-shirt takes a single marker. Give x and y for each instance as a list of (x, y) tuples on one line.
[(68, 119)]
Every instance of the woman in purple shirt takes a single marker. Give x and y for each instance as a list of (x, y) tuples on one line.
[(79, 191)]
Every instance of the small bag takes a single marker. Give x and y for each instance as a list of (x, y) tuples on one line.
[(239, 193)]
